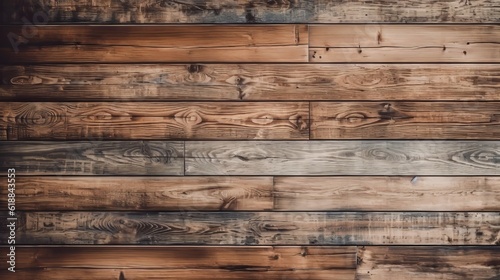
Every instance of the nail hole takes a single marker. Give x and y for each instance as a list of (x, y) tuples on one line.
[(360, 51), (465, 52)]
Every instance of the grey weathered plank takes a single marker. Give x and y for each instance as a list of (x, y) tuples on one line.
[(343, 158)]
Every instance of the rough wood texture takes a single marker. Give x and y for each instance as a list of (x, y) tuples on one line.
[(151, 121), (405, 120), (136, 44), (142, 193), (245, 11), (250, 82), (343, 158), (387, 193), (404, 43), (261, 228), (93, 158), (416, 262)]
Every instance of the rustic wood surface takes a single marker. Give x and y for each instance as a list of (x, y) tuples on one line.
[(418, 82), (258, 228), (405, 120), (147, 120), (246, 11)]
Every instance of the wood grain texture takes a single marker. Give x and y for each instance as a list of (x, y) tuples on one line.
[(420, 262), (343, 158), (153, 121), (245, 11), (93, 158), (386, 193), (173, 43), (250, 82), (404, 43), (142, 193), (259, 228), (405, 120)]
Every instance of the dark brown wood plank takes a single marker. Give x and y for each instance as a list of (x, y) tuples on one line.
[(246, 11), (258, 228), (93, 157), (250, 82), (49, 193), (153, 121), (404, 43), (151, 43), (420, 262), (412, 193), (405, 120), (343, 158)]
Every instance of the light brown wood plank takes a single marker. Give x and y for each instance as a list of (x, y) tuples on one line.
[(93, 157), (420, 262), (142, 193), (405, 120), (405, 43), (343, 158), (412, 193), (132, 43), (246, 11), (258, 228), (250, 82), (153, 121)]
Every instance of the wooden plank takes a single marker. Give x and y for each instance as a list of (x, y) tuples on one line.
[(142, 193), (420, 262), (173, 43), (404, 43), (227, 11), (250, 82), (386, 193), (405, 120), (258, 228), (93, 158), (343, 158), (153, 120)]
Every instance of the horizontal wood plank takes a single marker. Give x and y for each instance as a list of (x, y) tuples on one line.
[(93, 157), (227, 11), (405, 120), (258, 228), (153, 121), (69, 82), (132, 43), (420, 262), (404, 43), (142, 193), (343, 158)]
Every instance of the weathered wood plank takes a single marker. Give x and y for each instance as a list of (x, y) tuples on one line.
[(173, 43), (142, 193), (153, 121), (250, 82), (405, 120), (404, 43), (420, 262), (343, 158), (93, 158), (245, 11), (386, 193), (258, 228)]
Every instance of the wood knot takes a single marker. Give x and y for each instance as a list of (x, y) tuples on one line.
[(195, 68)]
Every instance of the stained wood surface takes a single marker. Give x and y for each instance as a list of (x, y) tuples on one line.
[(147, 120), (132, 43), (420, 262), (343, 158), (305, 82), (93, 157), (258, 228), (405, 120), (226, 11), (404, 43)]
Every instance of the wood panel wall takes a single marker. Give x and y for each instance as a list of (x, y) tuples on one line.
[(251, 139)]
